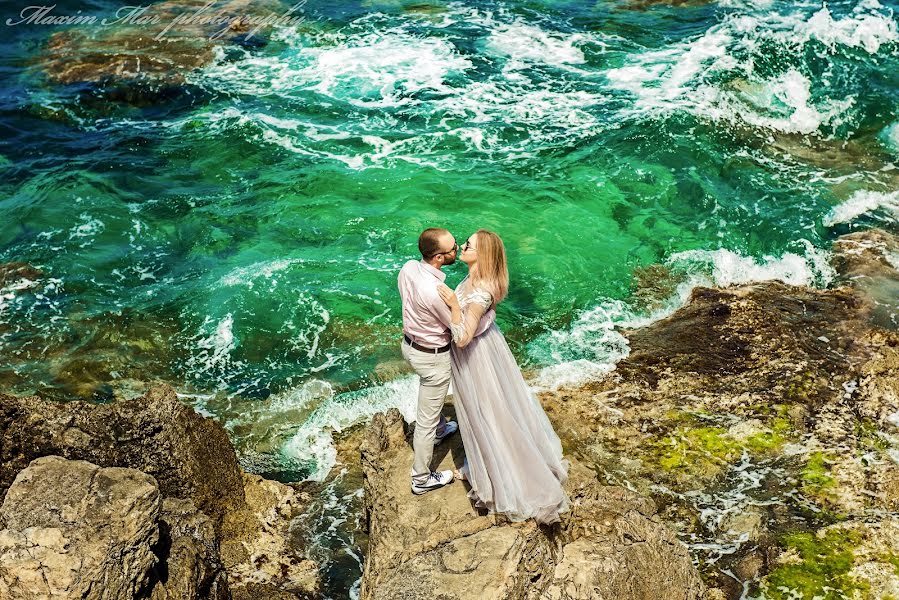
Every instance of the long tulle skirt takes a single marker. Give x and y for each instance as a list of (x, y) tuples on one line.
[(513, 456)]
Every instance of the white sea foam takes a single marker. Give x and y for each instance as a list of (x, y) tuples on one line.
[(780, 104), (312, 446), (525, 43), (892, 258), (88, 228), (381, 68), (745, 4), (588, 349), (315, 320), (714, 75), (744, 493), (866, 28), (429, 98), (382, 71), (8, 292), (545, 111), (248, 275), (212, 346), (661, 79), (260, 427), (39, 308), (890, 137), (863, 202), (725, 267)]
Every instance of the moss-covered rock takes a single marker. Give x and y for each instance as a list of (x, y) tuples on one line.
[(816, 566)]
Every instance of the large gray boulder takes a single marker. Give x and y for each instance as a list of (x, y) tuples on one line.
[(220, 530), (76, 530)]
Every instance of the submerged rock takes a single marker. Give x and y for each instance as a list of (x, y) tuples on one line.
[(138, 63), (18, 272), (868, 261), (609, 544)]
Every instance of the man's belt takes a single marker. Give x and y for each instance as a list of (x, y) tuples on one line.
[(423, 348)]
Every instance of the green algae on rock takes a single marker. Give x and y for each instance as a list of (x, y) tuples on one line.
[(816, 566)]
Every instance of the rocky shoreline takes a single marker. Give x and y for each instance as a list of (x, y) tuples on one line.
[(610, 544), (762, 419), (141, 498), (748, 446), (759, 422)]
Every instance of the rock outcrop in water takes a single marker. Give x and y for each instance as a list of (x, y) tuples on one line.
[(128, 61), (610, 544), (218, 530)]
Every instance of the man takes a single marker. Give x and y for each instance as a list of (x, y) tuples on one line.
[(425, 346)]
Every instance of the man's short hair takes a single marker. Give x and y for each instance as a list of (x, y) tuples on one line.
[(429, 241)]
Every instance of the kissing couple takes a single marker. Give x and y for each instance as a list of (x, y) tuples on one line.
[(513, 457)]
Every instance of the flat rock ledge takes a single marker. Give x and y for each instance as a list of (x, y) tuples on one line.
[(609, 545)]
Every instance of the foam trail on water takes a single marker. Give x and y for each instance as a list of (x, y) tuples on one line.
[(890, 137), (8, 291), (430, 97), (783, 103), (247, 276), (312, 446), (524, 43), (715, 75), (725, 267), (590, 348), (865, 28), (213, 345), (863, 202)]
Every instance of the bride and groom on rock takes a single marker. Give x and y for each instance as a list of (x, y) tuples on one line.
[(513, 458)]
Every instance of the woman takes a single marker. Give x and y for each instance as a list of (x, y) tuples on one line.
[(513, 458)]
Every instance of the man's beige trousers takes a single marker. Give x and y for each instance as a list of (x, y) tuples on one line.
[(434, 371)]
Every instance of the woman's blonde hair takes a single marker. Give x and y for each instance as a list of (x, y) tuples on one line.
[(492, 273)]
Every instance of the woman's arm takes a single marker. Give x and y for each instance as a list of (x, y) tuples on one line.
[(464, 323)]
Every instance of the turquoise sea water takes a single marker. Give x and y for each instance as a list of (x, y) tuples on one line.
[(241, 240)]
